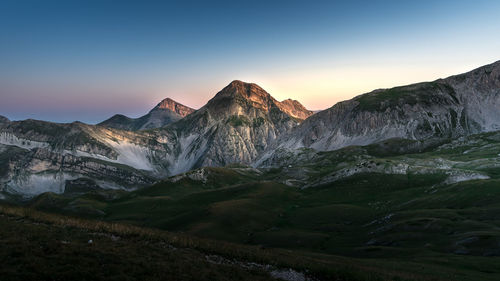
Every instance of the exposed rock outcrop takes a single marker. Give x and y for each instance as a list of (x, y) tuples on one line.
[(233, 127), (174, 106), (166, 112), (295, 109)]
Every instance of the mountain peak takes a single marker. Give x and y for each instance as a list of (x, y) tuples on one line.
[(174, 106), (250, 94), (164, 113), (294, 108), (244, 94), (238, 83), (245, 89)]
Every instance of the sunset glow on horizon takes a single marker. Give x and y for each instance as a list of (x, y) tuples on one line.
[(88, 60)]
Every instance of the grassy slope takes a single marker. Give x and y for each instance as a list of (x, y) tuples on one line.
[(44, 246), (387, 220), (413, 223), (37, 249)]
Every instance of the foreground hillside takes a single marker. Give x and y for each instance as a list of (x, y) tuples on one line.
[(37, 246), (41, 246)]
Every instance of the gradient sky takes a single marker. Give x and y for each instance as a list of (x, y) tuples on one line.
[(87, 60)]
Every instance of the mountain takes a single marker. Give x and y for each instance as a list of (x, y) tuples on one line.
[(446, 108), (4, 119), (235, 126), (406, 176), (166, 112), (294, 109), (38, 156), (174, 106), (243, 124), (364, 202)]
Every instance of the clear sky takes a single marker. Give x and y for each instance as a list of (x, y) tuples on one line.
[(87, 60)]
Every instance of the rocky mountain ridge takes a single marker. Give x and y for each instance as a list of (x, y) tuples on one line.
[(38, 156), (164, 113), (174, 106), (234, 127), (243, 124), (295, 109), (446, 108)]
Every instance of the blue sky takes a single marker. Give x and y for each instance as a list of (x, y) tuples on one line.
[(87, 60)]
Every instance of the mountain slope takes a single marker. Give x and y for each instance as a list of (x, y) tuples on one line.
[(233, 127), (446, 108), (174, 106), (240, 122), (4, 119), (294, 109), (375, 203), (37, 156), (166, 112)]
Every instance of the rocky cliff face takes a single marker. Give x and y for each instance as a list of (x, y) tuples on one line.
[(294, 109), (166, 112), (174, 106), (37, 156), (233, 127), (446, 108), (31, 172)]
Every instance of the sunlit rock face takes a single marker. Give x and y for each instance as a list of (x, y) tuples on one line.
[(295, 109), (174, 106), (233, 127), (445, 108)]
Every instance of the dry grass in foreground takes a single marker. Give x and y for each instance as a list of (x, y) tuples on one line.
[(126, 248)]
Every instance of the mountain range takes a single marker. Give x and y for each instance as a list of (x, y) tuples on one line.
[(241, 125)]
